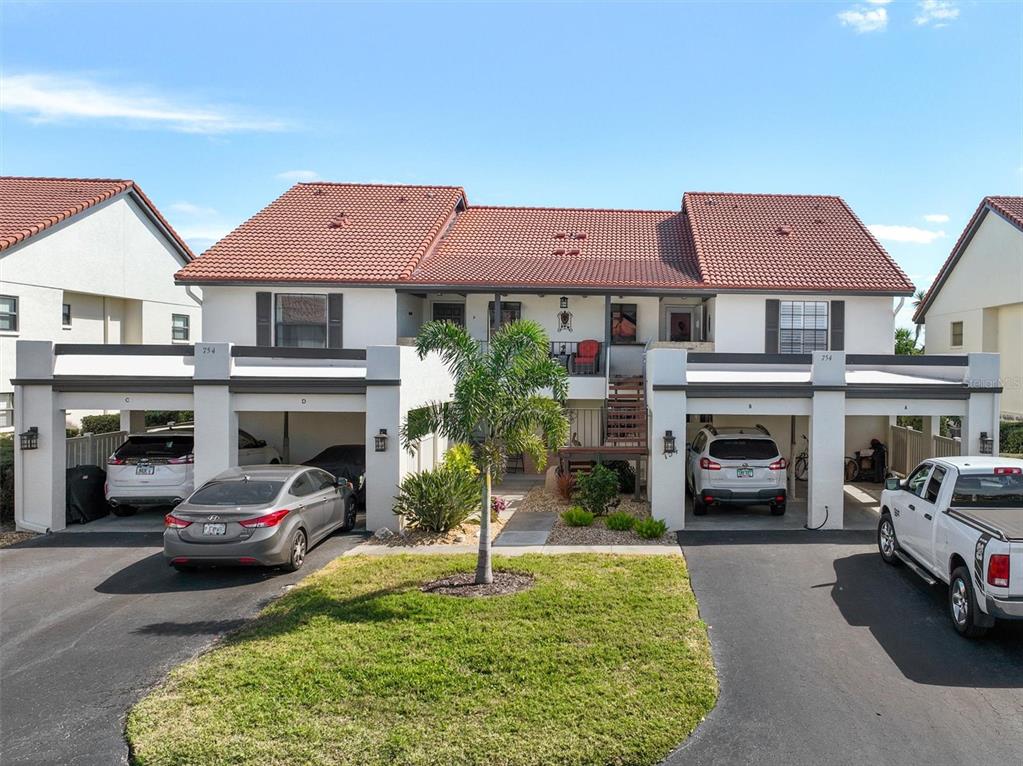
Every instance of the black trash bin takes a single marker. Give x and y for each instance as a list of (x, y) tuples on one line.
[(84, 492)]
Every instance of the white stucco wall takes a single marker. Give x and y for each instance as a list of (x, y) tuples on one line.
[(738, 322), (369, 314), (985, 292)]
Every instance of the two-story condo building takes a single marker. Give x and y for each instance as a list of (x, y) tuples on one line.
[(775, 309)]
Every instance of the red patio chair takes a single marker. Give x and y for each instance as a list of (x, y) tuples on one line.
[(586, 354)]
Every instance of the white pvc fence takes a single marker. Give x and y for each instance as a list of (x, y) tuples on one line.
[(93, 449), (907, 448)]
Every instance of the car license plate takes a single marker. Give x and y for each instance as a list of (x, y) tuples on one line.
[(214, 529), (144, 470), (744, 473)]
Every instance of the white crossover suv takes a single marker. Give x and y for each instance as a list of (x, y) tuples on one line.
[(735, 466), (157, 467)]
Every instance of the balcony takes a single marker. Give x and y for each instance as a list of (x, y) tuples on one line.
[(584, 357)]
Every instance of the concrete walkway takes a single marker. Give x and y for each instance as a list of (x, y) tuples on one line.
[(526, 529)]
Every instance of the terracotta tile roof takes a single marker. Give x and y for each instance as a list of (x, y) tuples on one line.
[(31, 205), (327, 232), (564, 247), (787, 242), (1011, 208)]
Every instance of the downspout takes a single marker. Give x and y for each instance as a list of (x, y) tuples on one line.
[(902, 302)]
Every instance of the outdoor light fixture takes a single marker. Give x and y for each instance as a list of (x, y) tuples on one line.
[(987, 444), (564, 301), (29, 439), (669, 443), (380, 441)]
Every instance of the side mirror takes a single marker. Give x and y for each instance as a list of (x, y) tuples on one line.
[(689, 446), (892, 483)]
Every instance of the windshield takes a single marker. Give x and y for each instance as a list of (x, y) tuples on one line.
[(988, 491), (159, 446), (236, 493), (743, 449)]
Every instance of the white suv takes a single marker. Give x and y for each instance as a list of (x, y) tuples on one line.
[(736, 466), (156, 468)]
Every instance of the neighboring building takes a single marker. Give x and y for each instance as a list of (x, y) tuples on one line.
[(976, 301), (87, 261)]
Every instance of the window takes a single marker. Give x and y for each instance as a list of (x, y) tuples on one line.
[(323, 480), (743, 449), (449, 312), (988, 490), (957, 333), (179, 326), (918, 480), (237, 493), (511, 311), (301, 321), (934, 485), (65, 315), (803, 327), (6, 410), (623, 323), (8, 313), (304, 485)]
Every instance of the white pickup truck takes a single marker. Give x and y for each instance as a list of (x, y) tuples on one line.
[(960, 520)]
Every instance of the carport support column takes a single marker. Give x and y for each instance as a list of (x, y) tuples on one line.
[(666, 394), (383, 410), (826, 498), (216, 422), (982, 409), (133, 421), (39, 502)]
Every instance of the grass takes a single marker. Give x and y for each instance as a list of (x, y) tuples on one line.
[(603, 661)]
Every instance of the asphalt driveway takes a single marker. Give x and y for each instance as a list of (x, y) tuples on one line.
[(92, 620), (827, 655)]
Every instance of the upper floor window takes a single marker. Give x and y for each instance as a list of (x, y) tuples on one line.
[(180, 326), (803, 327), (8, 312), (511, 311), (623, 322), (957, 333), (300, 320), (65, 315)]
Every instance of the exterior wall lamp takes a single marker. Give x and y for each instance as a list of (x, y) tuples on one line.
[(29, 439), (669, 443), (564, 301), (987, 444), (380, 441)]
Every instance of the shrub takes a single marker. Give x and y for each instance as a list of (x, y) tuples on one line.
[(6, 478), (459, 457), (437, 500), (620, 521), (566, 486), (577, 517), (650, 529), (598, 490), (1011, 441), (101, 424), (626, 475)]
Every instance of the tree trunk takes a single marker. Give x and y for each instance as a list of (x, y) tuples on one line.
[(484, 572)]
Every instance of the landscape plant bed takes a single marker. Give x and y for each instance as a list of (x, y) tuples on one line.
[(604, 660), (464, 584), (540, 499), (8, 535), (464, 534)]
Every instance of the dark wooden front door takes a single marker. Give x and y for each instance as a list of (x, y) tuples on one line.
[(680, 326)]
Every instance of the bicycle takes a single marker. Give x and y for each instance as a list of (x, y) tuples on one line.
[(801, 465)]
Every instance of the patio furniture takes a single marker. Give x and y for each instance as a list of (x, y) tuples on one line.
[(586, 357)]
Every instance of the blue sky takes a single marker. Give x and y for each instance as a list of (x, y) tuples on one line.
[(912, 111)]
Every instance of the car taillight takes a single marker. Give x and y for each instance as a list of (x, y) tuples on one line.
[(998, 570), (709, 465), (1008, 471), (170, 520), (779, 465), (270, 520), (114, 460), (189, 458)]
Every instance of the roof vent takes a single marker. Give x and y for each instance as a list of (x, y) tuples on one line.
[(817, 220), (560, 235), (317, 192), (340, 222), (573, 252), (784, 230), (559, 252), (580, 235), (402, 198), (430, 194)]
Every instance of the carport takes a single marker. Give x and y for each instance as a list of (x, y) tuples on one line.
[(305, 399), (832, 392)]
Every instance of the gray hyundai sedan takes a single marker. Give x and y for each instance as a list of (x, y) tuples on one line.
[(262, 515)]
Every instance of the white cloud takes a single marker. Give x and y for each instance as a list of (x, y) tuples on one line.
[(864, 19), (189, 208), (904, 234), (936, 218), (936, 12), (52, 98), (298, 175)]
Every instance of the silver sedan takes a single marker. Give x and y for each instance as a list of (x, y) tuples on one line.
[(262, 515)]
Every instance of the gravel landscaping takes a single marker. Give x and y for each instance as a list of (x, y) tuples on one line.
[(540, 499), (8, 535)]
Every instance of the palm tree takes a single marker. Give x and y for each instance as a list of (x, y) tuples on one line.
[(917, 300), (496, 406)]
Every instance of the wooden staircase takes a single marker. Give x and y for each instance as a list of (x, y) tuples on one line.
[(626, 412)]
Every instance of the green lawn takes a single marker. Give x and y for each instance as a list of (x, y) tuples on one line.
[(603, 661)]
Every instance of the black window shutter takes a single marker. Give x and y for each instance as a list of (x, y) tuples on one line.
[(771, 326), (263, 319), (837, 325), (335, 337)]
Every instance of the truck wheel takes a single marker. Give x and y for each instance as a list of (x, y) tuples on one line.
[(887, 542), (699, 507), (962, 605)]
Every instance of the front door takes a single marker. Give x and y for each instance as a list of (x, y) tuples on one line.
[(449, 312), (680, 326)]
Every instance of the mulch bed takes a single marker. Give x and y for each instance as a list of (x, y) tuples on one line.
[(463, 584)]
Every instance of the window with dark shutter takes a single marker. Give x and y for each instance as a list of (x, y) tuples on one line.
[(335, 334), (771, 326), (264, 319), (837, 325), (803, 327)]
